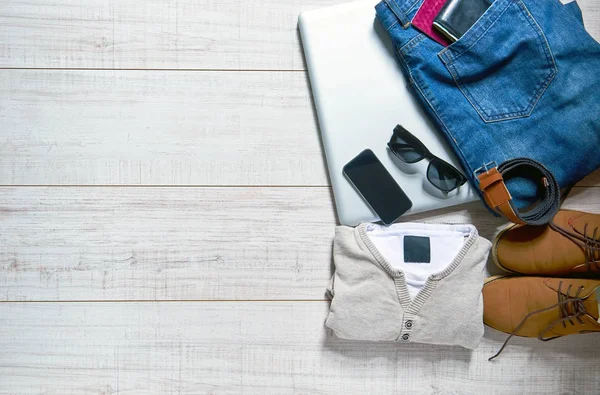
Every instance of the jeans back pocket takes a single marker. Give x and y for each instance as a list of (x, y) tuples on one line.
[(503, 64)]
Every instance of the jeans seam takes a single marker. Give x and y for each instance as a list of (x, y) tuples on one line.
[(547, 52), (488, 118), (571, 15), (408, 70), (395, 8), (531, 105), (412, 7), (413, 42), (392, 25), (537, 29), (457, 149), (465, 92)]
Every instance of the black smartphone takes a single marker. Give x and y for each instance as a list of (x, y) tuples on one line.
[(377, 186)]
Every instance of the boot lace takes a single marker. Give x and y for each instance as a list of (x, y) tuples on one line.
[(590, 244), (564, 302)]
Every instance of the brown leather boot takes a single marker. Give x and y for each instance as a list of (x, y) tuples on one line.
[(570, 244), (540, 307)]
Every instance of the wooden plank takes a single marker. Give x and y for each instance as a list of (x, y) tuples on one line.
[(158, 34), (164, 243), (591, 16), (260, 347), (154, 34), (167, 128), (108, 243), (591, 180), (583, 199)]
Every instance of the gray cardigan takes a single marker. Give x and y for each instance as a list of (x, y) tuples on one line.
[(371, 300)]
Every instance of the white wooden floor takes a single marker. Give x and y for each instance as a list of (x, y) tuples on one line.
[(166, 217)]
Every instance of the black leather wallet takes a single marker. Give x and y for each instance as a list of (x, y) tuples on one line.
[(457, 16)]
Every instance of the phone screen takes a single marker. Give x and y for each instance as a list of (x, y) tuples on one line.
[(377, 186)]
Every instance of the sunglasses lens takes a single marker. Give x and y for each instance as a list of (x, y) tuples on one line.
[(443, 176), (407, 147)]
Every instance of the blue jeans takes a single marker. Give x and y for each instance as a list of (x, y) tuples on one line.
[(524, 81)]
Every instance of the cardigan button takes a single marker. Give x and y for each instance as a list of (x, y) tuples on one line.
[(406, 337), (408, 324)]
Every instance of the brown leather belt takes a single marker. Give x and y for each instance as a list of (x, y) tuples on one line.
[(496, 195)]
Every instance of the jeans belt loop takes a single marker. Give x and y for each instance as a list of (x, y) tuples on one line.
[(397, 10), (496, 195)]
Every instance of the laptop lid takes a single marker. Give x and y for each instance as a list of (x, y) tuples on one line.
[(361, 94)]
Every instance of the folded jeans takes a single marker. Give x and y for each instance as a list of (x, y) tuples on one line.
[(522, 82)]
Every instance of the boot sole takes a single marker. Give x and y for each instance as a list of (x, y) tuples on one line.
[(495, 250), (494, 278)]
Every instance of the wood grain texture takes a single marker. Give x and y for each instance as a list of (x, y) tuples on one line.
[(164, 243), (591, 16), (155, 34), (252, 348), (158, 128), (163, 273), (182, 243)]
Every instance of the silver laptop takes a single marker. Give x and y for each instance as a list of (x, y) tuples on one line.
[(360, 94)]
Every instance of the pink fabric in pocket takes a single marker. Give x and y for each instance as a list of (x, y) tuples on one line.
[(424, 17)]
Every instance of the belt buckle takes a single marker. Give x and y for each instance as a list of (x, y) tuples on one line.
[(486, 167)]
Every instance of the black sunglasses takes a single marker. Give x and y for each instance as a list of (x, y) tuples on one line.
[(410, 149)]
